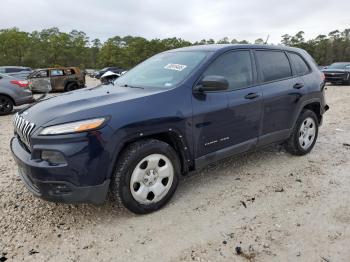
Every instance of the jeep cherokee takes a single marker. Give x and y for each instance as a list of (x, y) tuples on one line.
[(175, 112)]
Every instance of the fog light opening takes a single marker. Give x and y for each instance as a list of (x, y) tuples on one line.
[(53, 157)]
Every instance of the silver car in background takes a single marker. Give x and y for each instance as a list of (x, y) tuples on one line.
[(14, 91)]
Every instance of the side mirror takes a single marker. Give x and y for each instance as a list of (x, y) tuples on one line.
[(212, 83)]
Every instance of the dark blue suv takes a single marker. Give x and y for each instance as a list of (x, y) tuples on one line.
[(175, 112)]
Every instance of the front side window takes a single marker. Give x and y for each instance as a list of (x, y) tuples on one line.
[(39, 74), (235, 67), (299, 64), (274, 65), (164, 70)]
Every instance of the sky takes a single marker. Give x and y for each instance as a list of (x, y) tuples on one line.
[(191, 20)]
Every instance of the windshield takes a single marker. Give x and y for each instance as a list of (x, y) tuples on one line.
[(339, 66), (164, 70)]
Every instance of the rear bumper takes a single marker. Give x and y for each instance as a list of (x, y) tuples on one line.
[(27, 99), (40, 179)]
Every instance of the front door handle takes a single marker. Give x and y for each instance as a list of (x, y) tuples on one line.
[(298, 85), (252, 96)]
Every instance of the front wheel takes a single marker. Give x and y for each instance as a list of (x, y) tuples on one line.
[(304, 134), (146, 176)]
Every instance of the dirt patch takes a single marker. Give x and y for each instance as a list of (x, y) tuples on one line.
[(206, 220)]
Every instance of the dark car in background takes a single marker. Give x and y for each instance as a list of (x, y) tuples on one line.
[(14, 91), (56, 79), (116, 70), (337, 73), (176, 112)]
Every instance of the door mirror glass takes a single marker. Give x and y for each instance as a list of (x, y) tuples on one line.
[(212, 83)]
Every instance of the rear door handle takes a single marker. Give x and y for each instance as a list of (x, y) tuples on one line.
[(252, 96), (298, 85)]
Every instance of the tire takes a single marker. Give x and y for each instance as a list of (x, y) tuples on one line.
[(6, 105), (304, 134), (71, 87), (145, 167)]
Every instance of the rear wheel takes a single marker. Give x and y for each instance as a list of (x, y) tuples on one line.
[(304, 134), (71, 87), (6, 105), (146, 176)]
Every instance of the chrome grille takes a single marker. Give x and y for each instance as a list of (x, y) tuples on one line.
[(23, 128)]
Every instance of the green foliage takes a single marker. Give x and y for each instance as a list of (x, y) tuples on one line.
[(324, 49), (51, 47)]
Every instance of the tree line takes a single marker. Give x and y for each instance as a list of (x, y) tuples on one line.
[(51, 47)]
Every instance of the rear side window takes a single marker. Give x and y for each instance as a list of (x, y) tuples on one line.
[(235, 66), (274, 65), (299, 64), (13, 70), (57, 72)]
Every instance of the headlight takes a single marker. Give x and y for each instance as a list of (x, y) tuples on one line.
[(73, 127)]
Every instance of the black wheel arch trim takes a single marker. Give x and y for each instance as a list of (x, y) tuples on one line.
[(180, 142), (306, 103)]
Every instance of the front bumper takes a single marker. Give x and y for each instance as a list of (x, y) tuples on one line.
[(40, 179), (336, 77)]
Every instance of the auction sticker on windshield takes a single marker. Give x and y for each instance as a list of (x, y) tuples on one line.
[(176, 67)]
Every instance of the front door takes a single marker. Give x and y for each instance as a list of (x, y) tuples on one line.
[(40, 82), (228, 121)]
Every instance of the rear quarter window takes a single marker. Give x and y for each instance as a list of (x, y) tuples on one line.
[(299, 64), (274, 65)]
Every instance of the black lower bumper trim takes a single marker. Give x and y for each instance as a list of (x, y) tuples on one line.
[(65, 192)]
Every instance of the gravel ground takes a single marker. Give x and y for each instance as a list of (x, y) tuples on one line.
[(269, 205)]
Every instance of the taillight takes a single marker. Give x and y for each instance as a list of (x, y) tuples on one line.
[(20, 83)]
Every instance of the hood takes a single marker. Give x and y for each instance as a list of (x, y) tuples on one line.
[(82, 104)]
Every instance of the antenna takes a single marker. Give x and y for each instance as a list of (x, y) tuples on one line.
[(267, 39)]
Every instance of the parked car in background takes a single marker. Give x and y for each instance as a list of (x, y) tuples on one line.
[(14, 69), (19, 71), (13, 92), (90, 72), (56, 79), (109, 77), (177, 111), (337, 73), (116, 70)]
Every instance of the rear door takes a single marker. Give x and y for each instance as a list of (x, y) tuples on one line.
[(282, 92), (228, 121), (57, 77)]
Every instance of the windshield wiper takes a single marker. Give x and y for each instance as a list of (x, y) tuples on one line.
[(126, 85)]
